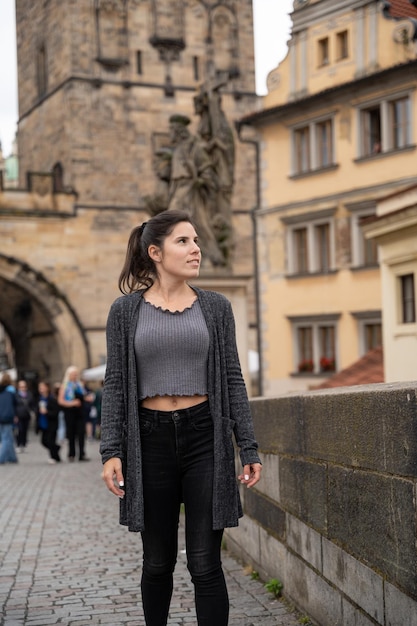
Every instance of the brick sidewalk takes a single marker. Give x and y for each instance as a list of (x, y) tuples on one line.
[(64, 559)]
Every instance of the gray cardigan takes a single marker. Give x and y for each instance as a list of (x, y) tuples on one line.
[(228, 401)]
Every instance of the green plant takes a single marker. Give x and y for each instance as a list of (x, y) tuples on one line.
[(254, 575), (305, 620), (274, 586)]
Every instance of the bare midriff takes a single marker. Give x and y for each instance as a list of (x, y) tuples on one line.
[(172, 403)]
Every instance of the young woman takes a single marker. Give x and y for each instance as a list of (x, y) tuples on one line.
[(25, 406), (48, 410), (173, 397), (70, 397), (8, 419)]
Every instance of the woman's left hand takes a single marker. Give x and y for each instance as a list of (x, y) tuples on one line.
[(251, 474)]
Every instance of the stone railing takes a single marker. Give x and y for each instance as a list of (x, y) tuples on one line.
[(334, 517)]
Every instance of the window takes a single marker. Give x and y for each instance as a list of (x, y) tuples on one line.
[(302, 149), (368, 248), (371, 123), (369, 251), (322, 247), (408, 307), (310, 244), (326, 338), (41, 71), (139, 68), (364, 251), (196, 68), (342, 45), (58, 177), (313, 146), (400, 122), (324, 143), (323, 51), (111, 34), (369, 330), (385, 126), (301, 250), (305, 349), (372, 335), (315, 343)]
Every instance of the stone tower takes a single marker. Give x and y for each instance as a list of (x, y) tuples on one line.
[(99, 79), (98, 82)]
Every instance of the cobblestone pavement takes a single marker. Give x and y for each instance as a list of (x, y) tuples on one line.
[(64, 558)]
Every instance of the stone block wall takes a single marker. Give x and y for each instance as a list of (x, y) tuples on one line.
[(334, 517)]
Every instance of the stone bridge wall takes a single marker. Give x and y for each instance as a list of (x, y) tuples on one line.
[(334, 517)]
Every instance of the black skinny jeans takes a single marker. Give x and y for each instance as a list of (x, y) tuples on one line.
[(22, 431), (75, 431), (177, 449), (48, 440)]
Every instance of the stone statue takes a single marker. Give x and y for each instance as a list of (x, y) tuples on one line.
[(193, 185), (162, 167), (216, 133), (196, 174)]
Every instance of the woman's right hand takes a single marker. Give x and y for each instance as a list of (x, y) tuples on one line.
[(113, 476)]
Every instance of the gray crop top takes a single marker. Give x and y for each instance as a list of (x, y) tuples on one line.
[(171, 351)]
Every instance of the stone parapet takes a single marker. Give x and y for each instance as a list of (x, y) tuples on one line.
[(39, 196), (334, 517)]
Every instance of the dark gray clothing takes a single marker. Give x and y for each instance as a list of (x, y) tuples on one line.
[(228, 401), (171, 351)]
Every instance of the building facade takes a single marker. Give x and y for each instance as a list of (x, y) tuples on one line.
[(98, 81), (338, 132), (395, 231)]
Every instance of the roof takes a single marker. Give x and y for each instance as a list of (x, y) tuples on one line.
[(367, 370), (402, 8), (369, 79), (392, 9)]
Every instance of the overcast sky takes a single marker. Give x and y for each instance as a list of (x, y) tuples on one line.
[(271, 24)]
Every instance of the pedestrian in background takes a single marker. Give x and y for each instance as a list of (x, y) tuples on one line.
[(25, 409), (48, 410), (70, 398), (9, 382), (97, 405), (173, 397), (89, 411), (61, 417), (8, 419)]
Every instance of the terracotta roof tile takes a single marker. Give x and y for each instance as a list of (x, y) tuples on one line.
[(367, 370), (402, 8)]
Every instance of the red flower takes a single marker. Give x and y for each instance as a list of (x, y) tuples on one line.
[(327, 364)]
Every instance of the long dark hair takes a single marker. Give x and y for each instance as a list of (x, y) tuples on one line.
[(139, 270)]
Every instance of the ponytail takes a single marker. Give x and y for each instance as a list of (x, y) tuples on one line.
[(138, 265)]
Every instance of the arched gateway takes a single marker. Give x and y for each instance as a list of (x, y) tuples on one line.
[(42, 326)]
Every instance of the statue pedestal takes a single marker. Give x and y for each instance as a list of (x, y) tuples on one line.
[(235, 288)]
